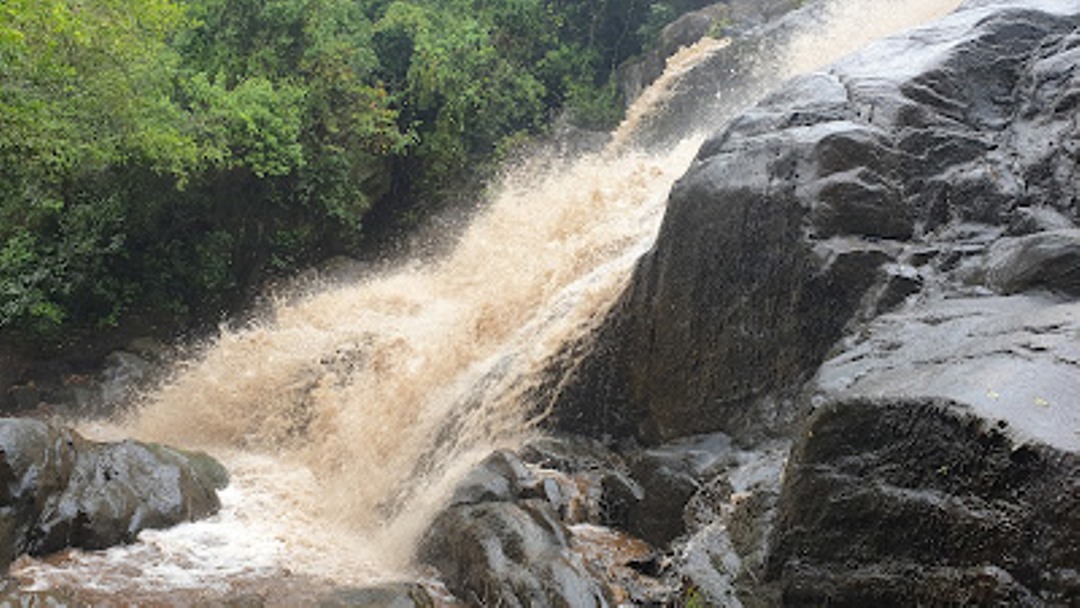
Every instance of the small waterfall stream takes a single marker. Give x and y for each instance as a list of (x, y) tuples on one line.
[(346, 417)]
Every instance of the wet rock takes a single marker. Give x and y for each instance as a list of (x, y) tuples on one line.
[(1045, 260), (773, 243), (670, 475), (509, 554), (911, 500), (1029, 220), (721, 558), (59, 490), (390, 595), (899, 282), (1013, 359), (658, 517), (560, 539), (599, 488), (502, 476)]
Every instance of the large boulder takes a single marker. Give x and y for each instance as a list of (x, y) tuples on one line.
[(60, 490), (943, 462), (815, 210), (503, 542), (509, 554), (536, 529)]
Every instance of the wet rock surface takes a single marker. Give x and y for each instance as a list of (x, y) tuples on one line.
[(504, 543), (59, 490), (589, 526), (795, 219), (923, 500), (877, 266)]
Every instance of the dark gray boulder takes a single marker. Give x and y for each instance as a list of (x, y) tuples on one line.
[(509, 554), (1046, 260), (942, 464), (922, 501), (59, 490), (670, 475), (548, 527), (1013, 360), (502, 476)]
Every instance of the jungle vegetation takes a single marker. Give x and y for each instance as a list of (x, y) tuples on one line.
[(161, 159)]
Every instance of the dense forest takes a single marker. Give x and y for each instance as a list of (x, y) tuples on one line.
[(161, 159)]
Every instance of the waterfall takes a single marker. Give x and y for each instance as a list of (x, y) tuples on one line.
[(346, 416)]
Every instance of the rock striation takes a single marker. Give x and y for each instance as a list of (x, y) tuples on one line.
[(59, 490)]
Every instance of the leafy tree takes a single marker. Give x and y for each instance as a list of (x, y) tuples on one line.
[(160, 159)]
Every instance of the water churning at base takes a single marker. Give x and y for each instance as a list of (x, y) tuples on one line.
[(347, 416), (388, 388)]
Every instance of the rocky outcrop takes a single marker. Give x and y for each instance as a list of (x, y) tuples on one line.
[(536, 528), (568, 522), (879, 263), (742, 19), (921, 500), (807, 213), (59, 490), (502, 542)]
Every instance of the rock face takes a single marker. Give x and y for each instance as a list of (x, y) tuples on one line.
[(795, 220), (879, 263), (743, 19), (59, 490), (918, 500)]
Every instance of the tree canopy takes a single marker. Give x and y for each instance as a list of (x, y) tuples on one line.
[(160, 158)]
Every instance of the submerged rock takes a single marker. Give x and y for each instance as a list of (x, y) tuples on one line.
[(60, 490)]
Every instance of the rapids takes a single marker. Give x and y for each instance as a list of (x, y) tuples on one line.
[(346, 416)]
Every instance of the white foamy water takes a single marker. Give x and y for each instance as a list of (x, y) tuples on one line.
[(346, 417)]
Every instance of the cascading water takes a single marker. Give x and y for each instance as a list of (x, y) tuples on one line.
[(346, 417)]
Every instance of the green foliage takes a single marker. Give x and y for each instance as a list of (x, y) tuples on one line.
[(593, 107), (160, 158), (254, 125)]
